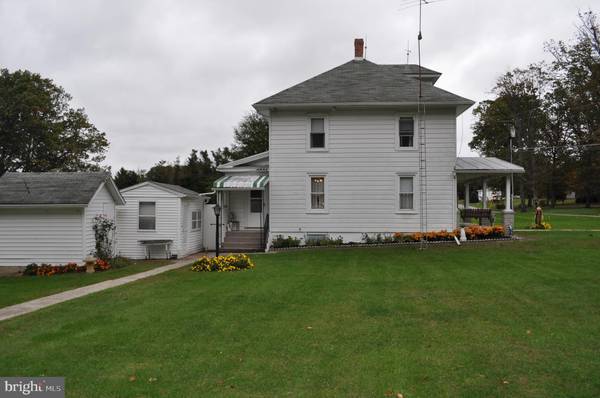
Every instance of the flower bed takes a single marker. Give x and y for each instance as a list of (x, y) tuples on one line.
[(473, 232), (43, 269), (238, 262)]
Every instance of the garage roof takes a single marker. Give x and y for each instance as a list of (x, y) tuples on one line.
[(54, 188)]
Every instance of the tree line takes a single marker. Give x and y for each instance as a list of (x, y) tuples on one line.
[(554, 109)]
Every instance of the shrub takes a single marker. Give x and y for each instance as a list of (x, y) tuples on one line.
[(31, 269), (222, 263), (120, 262), (104, 229), (325, 242), (279, 241)]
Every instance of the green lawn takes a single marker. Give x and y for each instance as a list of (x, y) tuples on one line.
[(562, 218), (512, 319), (17, 289)]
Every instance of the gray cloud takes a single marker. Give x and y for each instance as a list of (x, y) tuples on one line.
[(163, 77)]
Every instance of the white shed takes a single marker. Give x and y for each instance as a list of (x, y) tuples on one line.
[(48, 217), (160, 220)]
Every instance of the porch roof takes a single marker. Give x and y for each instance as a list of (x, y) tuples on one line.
[(473, 165), (241, 182)]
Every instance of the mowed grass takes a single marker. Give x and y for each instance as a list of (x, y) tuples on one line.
[(562, 218), (516, 319), (16, 289)]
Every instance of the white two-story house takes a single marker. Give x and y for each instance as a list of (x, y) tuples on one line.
[(361, 148)]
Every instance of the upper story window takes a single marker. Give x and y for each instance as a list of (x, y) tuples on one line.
[(317, 192), (147, 215), (196, 219), (406, 132), (317, 133)]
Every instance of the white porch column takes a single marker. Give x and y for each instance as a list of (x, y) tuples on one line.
[(484, 194), (507, 199), (508, 213), (467, 198)]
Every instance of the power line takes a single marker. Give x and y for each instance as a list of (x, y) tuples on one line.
[(531, 148)]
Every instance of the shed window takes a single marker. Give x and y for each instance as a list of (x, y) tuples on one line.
[(317, 193), (147, 215), (406, 133), (256, 201), (196, 219), (317, 133), (406, 194)]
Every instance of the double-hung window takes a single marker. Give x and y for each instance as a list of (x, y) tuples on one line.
[(196, 219), (317, 192), (317, 133), (406, 132), (406, 193), (147, 215)]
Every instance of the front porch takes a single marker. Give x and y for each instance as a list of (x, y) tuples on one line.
[(472, 172), (244, 201)]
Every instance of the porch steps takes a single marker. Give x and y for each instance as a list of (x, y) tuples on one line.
[(242, 241)]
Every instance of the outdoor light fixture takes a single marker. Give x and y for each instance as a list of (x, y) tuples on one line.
[(217, 210)]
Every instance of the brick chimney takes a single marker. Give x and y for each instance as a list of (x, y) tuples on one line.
[(359, 49)]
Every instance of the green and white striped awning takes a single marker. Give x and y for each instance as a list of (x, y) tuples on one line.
[(245, 182)]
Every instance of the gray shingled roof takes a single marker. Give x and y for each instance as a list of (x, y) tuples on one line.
[(486, 165), (364, 82), (177, 188), (65, 188)]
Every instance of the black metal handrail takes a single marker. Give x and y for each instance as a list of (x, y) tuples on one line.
[(265, 231)]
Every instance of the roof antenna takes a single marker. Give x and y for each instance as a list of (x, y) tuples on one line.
[(365, 46), (408, 52)]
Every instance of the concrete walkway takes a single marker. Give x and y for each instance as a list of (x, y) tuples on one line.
[(34, 305)]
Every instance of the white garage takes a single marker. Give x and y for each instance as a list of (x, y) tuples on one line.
[(47, 217)]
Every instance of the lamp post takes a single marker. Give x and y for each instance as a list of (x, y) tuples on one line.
[(513, 134), (217, 210)]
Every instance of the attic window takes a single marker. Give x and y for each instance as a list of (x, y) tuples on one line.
[(406, 132), (317, 132)]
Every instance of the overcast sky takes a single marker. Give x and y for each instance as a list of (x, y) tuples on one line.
[(163, 77)]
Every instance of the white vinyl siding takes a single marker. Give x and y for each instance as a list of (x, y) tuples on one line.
[(43, 235), (362, 166), (192, 239)]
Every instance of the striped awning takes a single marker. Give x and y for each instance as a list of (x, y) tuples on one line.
[(245, 182)]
